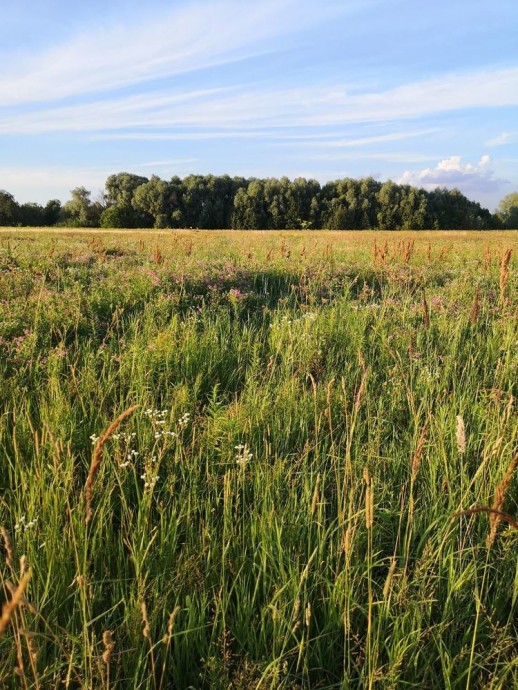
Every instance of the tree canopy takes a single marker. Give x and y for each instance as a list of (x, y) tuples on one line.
[(210, 202)]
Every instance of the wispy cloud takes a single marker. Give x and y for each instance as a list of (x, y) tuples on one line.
[(470, 178), (191, 37), (502, 139), (387, 156), (369, 141), (37, 183), (248, 107)]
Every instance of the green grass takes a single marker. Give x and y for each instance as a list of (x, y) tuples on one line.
[(258, 566)]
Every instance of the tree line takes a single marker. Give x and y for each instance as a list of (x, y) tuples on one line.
[(211, 202)]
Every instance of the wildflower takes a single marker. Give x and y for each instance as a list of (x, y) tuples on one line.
[(243, 455), (184, 420)]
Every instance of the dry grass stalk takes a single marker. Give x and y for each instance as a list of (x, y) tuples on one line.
[(96, 458), (10, 607), (475, 308), (360, 392), (158, 257), (498, 502), (418, 453), (444, 252), (170, 625), (504, 273), (408, 250), (487, 259), (426, 311), (491, 512), (429, 252), (460, 435), (23, 601), (8, 546)]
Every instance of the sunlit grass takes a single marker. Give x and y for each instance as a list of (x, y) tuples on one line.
[(278, 512)]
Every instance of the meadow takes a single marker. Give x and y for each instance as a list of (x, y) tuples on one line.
[(239, 460)]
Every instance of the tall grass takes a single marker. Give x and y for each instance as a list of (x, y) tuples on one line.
[(304, 439)]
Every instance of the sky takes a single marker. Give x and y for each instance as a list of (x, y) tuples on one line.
[(423, 93)]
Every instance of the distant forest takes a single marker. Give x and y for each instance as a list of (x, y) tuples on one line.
[(208, 201)]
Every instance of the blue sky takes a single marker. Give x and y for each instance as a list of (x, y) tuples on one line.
[(418, 92)]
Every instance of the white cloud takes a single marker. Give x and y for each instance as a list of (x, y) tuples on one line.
[(451, 172)]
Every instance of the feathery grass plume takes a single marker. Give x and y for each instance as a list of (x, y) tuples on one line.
[(307, 614), (9, 607), (460, 435), (109, 646), (418, 453), (475, 308), (429, 252), (8, 546), (390, 575), (96, 458), (426, 311), (146, 630), (504, 273), (361, 391), (316, 495), (369, 498), (498, 502)]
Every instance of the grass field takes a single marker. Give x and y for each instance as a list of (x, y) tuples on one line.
[(281, 510)]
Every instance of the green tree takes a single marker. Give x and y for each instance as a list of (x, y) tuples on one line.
[(250, 211), (52, 212), (9, 209), (118, 217), (32, 215), (80, 211), (507, 211), (157, 199), (121, 186)]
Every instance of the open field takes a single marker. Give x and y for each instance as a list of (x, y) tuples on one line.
[(281, 509)]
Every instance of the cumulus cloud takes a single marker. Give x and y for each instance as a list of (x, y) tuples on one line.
[(451, 172)]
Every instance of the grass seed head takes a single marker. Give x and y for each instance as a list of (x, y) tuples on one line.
[(460, 435)]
